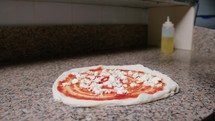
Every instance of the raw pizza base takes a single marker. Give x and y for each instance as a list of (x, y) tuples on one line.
[(170, 89)]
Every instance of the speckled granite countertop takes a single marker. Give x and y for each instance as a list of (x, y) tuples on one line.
[(25, 89)]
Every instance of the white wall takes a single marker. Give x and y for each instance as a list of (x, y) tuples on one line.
[(24, 13), (183, 19)]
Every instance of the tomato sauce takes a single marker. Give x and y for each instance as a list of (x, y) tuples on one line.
[(75, 91)]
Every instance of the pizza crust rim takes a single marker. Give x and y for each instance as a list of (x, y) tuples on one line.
[(170, 89)]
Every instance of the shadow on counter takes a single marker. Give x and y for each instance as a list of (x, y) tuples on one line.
[(22, 60), (210, 117), (24, 44)]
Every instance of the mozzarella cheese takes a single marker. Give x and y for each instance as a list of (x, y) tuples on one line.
[(65, 84), (133, 84), (74, 81), (91, 80), (130, 73), (153, 81), (96, 88), (120, 90), (148, 77)]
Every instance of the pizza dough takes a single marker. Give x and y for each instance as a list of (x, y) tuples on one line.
[(67, 87)]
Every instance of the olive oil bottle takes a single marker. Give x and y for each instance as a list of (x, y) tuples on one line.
[(167, 39)]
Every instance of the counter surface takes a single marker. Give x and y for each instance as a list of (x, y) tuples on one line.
[(26, 94)]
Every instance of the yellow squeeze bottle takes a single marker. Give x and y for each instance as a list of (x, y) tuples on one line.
[(167, 39)]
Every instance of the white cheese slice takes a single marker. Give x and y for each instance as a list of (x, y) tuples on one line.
[(108, 83), (120, 90), (135, 75), (133, 84), (90, 73), (97, 80), (96, 88), (104, 73), (122, 76), (83, 84), (91, 77), (74, 81), (158, 85), (155, 79), (130, 73), (87, 81), (65, 84), (125, 80), (78, 76), (95, 73), (152, 81), (111, 79)]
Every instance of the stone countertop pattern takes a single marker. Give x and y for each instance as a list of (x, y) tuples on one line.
[(203, 40), (26, 94)]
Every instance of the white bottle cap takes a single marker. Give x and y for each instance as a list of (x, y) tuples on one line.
[(168, 23)]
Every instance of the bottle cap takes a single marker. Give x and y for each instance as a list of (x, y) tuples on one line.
[(168, 23)]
